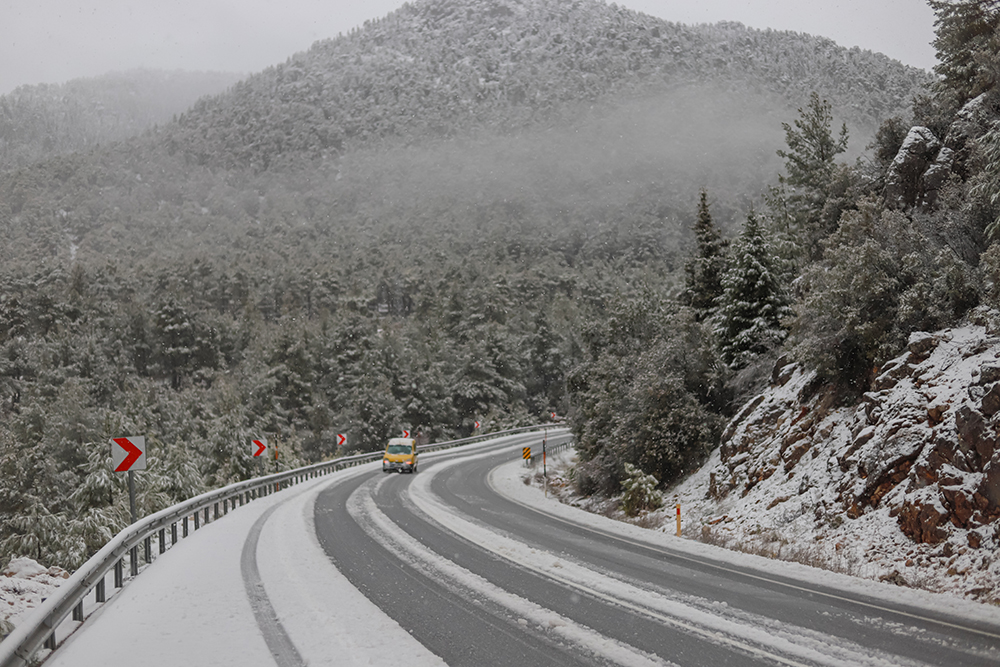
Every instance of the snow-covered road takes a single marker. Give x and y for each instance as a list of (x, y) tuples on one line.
[(458, 550), (191, 607)]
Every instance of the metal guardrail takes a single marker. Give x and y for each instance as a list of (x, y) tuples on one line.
[(39, 629), (550, 449), (433, 447)]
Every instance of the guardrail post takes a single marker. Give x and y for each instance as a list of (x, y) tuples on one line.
[(163, 540), (173, 533), (119, 575), (216, 508), (206, 515), (225, 506), (197, 520), (133, 560), (78, 611), (50, 641), (147, 546), (99, 593)]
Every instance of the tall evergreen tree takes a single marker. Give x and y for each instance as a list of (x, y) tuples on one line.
[(703, 284), (967, 42), (753, 302), (803, 192)]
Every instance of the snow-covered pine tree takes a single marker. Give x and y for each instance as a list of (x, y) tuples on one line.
[(753, 303), (703, 282), (640, 492), (812, 176), (967, 42)]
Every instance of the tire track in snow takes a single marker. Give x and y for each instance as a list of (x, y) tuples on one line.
[(277, 639)]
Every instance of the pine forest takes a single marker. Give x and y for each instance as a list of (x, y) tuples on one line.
[(493, 211)]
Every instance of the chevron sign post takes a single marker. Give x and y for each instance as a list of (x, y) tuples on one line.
[(128, 455), (341, 439), (258, 447)]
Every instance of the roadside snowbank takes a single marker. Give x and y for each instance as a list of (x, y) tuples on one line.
[(509, 481), (23, 585)]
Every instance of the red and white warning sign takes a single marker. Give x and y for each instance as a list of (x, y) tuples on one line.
[(341, 439), (406, 434), (258, 447), (477, 425), (128, 453)]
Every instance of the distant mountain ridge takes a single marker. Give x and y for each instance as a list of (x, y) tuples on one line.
[(40, 121), (573, 110), (435, 68)]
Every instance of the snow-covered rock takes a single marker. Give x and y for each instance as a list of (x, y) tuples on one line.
[(23, 585), (924, 163), (917, 152), (904, 486)]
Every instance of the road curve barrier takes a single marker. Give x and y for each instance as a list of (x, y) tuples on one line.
[(530, 455), (38, 630)]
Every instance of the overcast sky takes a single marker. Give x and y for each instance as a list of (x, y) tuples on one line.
[(52, 41)]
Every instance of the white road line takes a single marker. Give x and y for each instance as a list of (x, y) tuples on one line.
[(751, 575), (379, 527), (765, 639)]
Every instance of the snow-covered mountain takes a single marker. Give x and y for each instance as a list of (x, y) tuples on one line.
[(42, 121)]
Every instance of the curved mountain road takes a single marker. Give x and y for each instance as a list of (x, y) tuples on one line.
[(462, 564), (481, 579)]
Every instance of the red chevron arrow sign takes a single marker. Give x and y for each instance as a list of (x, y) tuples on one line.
[(258, 447), (341, 439), (128, 453)]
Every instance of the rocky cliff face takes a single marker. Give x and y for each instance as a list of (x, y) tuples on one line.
[(903, 487), (925, 162)]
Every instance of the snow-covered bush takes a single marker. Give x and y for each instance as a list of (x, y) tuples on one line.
[(640, 494)]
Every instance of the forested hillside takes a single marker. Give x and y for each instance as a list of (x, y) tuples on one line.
[(42, 121), (852, 328), (466, 211), (438, 69)]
